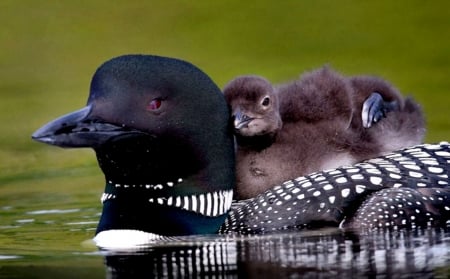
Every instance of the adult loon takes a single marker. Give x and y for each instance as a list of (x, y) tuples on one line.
[(322, 120), (161, 132)]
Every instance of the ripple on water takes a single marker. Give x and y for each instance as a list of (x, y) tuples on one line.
[(9, 257), (83, 223), (53, 211), (23, 221)]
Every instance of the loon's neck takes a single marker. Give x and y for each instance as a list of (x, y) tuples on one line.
[(157, 208), (159, 161), (163, 187)]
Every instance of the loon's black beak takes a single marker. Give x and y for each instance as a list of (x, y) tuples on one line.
[(241, 120), (78, 129)]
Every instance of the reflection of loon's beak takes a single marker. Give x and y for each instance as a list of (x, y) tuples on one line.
[(78, 129), (241, 120)]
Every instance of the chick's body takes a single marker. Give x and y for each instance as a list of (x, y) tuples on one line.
[(319, 125)]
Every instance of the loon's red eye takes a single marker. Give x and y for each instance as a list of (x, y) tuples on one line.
[(154, 104)]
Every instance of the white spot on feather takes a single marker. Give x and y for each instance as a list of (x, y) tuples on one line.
[(412, 167), (435, 170), (373, 171), (360, 188), (442, 153), (357, 176), (375, 180), (395, 176), (331, 199), (341, 180), (415, 174), (345, 192)]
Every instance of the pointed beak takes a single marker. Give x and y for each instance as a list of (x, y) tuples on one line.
[(78, 129), (241, 120)]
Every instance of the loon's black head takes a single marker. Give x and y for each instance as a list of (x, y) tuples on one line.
[(159, 127)]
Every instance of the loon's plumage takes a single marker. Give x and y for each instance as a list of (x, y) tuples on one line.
[(161, 131), (323, 120), (405, 189)]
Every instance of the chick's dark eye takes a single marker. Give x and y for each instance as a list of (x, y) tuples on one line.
[(154, 104), (266, 101)]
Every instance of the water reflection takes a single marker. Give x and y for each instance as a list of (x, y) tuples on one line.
[(325, 254), (213, 260), (44, 242)]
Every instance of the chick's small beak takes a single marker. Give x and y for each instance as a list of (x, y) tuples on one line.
[(241, 120)]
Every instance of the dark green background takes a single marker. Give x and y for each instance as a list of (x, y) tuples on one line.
[(50, 49)]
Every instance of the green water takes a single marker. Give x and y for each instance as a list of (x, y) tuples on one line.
[(49, 197)]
